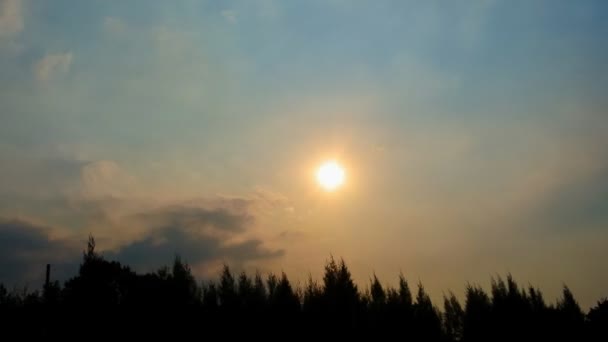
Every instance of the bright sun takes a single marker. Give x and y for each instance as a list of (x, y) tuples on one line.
[(330, 175)]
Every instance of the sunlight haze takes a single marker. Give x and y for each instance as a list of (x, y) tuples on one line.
[(447, 140)]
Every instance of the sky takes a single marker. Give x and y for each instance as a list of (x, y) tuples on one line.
[(473, 135)]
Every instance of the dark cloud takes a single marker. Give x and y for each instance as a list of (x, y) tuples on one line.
[(192, 217), (161, 247), (25, 249), (62, 211), (197, 234)]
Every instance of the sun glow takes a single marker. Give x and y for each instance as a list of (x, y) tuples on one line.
[(330, 175)]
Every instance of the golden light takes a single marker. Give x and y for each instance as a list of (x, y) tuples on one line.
[(330, 175)]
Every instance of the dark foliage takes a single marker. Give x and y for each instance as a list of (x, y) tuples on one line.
[(106, 299)]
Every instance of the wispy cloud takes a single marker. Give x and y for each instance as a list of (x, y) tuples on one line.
[(230, 16), (105, 178), (11, 18), (52, 65), (114, 25)]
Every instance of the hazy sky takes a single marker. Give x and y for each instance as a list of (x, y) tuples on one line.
[(474, 136)]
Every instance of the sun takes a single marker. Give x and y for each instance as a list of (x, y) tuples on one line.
[(330, 175)]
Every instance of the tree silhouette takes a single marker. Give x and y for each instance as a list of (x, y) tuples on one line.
[(210, 297), (51, 293), (427, 319), (184, 288), (283, 300), (376, 301), (312, 303), (228, 291), (245, 291), (99, 282), (453, 318), (570, 317), (511, 316), (477, 315), (259, 295), (597, 321), (174, 306), (340, 295)]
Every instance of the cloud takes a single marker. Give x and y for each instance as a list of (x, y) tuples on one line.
[(52, 65), (11, 18), (21, 176), (230, 16), (160, 247), (196, 218), (74, 198), (269, 200), (25, 249), (105, 178), (202, 232), (202, 236), (579, 201), (37, 177), (292, 235), (114, 25)]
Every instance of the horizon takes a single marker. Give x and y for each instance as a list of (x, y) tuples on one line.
[(450, 142)]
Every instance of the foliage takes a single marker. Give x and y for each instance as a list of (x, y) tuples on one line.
[(174, 305)]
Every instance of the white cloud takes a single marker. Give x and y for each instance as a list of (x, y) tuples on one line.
[(52, 64), (230, 16), (105, 178), (114, 25), (11, 19)]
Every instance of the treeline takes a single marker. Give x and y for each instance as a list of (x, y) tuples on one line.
[(109, 300)]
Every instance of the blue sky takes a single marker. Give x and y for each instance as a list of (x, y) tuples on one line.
[(473, 135)]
